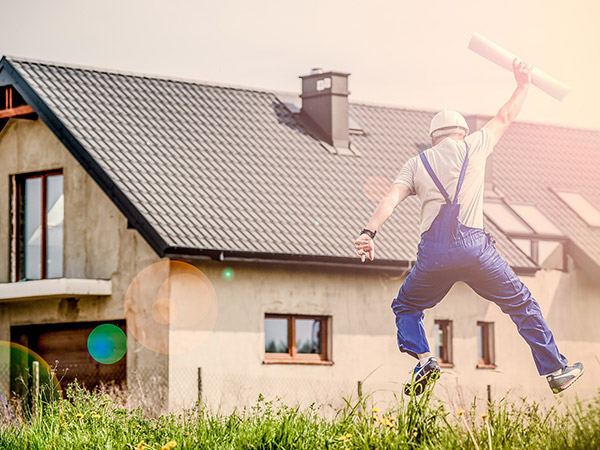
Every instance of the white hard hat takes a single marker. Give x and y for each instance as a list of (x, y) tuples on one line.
[(449, 120)]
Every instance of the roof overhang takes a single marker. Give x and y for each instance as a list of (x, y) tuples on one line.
[(282, 258), (309, 260), (54, 288)]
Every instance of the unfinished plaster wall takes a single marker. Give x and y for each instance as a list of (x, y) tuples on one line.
[(364, 338), (97, 242)]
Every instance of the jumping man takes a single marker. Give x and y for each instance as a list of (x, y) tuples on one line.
[(454, 245)]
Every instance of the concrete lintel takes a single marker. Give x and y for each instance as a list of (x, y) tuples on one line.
[(54, 288)]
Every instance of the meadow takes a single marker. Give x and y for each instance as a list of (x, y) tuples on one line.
[(84, 420)]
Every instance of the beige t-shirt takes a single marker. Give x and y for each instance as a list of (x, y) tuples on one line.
[(446, 160)]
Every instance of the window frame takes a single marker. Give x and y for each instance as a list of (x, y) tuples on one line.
[(19, 203), (292, 357), (488, 345), (446, 359)]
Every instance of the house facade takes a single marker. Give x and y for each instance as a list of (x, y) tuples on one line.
[(214, 226)]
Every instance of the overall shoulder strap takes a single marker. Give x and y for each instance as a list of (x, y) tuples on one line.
[(434, 177), (461, 178)]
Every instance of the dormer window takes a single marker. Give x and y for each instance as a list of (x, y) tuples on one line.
[(530, 230), (40, 214), (581, 206)]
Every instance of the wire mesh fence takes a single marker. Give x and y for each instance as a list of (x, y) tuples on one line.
[(161, 389)]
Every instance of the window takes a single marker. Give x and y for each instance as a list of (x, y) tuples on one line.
[(443, 342), (582, 207), (531, 231), (536, 220), (505, 218), (485, 345), (296, 339), (40, 214)]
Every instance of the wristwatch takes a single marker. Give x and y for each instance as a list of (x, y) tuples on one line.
[(369, 233)]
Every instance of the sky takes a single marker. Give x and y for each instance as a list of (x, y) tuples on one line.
[(404, 53)]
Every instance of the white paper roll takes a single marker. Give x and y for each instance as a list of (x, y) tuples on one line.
[(496, 54)]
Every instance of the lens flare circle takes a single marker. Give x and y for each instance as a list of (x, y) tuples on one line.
[(228, 273), (167, 300), (375, 187), (107, 343)]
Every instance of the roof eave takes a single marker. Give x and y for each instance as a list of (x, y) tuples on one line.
[(232, 255), (315, 260)]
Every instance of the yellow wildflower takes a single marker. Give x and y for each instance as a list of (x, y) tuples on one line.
[(171, 444), (485, 416), (79, 416), (141, 445), (187, 433), (342, 438), (375, 410), (348, 436), (460, 413), (386, 421), (96, 416)]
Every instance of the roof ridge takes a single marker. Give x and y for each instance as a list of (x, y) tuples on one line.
[(357, 102), (126, 73)]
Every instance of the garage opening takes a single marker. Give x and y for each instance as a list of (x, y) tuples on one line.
[(64, 347)]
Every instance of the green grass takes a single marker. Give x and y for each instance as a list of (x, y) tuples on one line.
[(98, 421)]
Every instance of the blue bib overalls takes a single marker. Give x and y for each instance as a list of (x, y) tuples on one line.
[(449, 252)]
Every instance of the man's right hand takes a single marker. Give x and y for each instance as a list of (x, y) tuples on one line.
[(522, 72), (364, 245)]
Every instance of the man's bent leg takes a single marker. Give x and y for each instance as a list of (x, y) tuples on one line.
[(495, 280), (420, 290)]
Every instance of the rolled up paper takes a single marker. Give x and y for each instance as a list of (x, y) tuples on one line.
[(498, 55)]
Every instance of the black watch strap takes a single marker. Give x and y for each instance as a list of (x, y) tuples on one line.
[(369, 233)]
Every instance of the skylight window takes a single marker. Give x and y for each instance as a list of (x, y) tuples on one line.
[(506, 219), (536, 220), (582, 207)]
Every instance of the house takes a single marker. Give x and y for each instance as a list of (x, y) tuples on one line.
[(214, 225)]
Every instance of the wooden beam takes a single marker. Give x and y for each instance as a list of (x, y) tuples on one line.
[(14, 112)]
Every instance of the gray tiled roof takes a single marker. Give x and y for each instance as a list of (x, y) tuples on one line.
[(531, 160), (231, 169)]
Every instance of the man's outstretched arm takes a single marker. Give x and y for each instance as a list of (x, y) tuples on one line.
[(364, 244), (508, 113)]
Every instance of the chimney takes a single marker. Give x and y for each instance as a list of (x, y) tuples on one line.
[(325, 105)]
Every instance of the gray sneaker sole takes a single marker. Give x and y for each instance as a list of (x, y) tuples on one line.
[(569, 384)]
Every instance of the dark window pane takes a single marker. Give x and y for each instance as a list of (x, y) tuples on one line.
[(438, 335), (480, 338), (54, 220), (276, 335), (33, 228), (308, 336)]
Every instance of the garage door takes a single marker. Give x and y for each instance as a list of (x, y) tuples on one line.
[(64, 347)]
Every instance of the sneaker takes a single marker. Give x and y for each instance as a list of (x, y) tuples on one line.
[(421, 376), (566, 378)]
